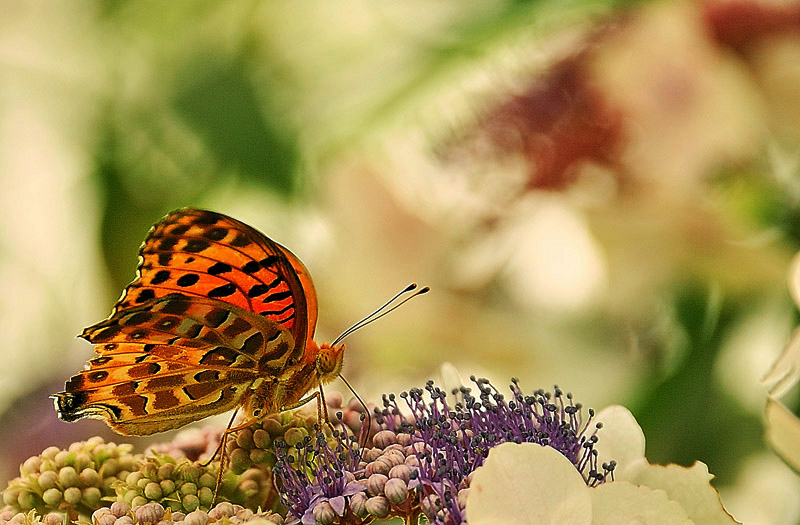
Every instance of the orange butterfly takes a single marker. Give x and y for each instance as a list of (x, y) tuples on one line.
[(219, 317)]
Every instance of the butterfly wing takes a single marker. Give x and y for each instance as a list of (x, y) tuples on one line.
[(174, 360), (200, 253)]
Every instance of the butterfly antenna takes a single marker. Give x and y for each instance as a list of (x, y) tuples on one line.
[(383, 310), (366, 411)]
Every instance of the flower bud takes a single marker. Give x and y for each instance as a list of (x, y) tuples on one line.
[(462, 497), (68, 477), (149, 513), (167, 486), (190, 502), (103, 516), (402, 472), (120, 508), (152, 491), (396, 491), (262, 439), (54, 518), (207, 480), (47, 480), (61, 458), (244, 438), (72, 495), (384, 438), (375, 484), (358, 504), (89, 477), (197, 517), (31, 466), (222, 510), (91, 497), (323, 513), (378, 506)]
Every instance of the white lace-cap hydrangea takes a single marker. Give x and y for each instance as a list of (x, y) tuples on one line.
[(526, 483), (782, 426)]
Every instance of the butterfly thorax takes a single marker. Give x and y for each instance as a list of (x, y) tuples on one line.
[(319, 365)]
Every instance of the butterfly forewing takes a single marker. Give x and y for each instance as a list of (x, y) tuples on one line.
[(204, 254), (173, 360)]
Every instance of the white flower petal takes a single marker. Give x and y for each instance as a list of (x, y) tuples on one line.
[(785, 372), (783, 432), (528, 484), (622, 502), (451, 380), (620, 439), (689, 487)]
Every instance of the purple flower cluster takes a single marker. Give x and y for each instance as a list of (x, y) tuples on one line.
[(331, 470), (423, 458), (457, 439)]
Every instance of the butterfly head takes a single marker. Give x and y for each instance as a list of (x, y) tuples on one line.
[(329, 362)]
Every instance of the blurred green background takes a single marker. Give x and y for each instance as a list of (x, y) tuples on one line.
[(602, 194)]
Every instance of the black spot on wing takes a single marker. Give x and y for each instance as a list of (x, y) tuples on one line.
[(218, 268), (219, 356), (160, 277), (253, 343), (188, 279), (145, 295), (216, 234), (222, 291), (251, 267), (196, 245)]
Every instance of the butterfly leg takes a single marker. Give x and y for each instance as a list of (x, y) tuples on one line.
[(322, 407), (221, 451)]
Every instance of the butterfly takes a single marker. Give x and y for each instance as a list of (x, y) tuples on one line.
[(219, 317)]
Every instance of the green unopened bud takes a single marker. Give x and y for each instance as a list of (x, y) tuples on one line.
[(207, 480), (167, 486), (92, 497), (68, 477), (152, 491), (72, 495), (52, 497), (190, 502), (47, 480), (81, 460), (166, 471), (50, 452), (89, 477), (206, 496), (31, 466), (262, 439), (62, 458)]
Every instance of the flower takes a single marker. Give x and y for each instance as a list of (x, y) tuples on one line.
[(424, 462), (783, 426), (330, 469), (456, 440), (524, 483)]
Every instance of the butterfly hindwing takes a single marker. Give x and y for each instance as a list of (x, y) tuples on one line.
[(171, 361)]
